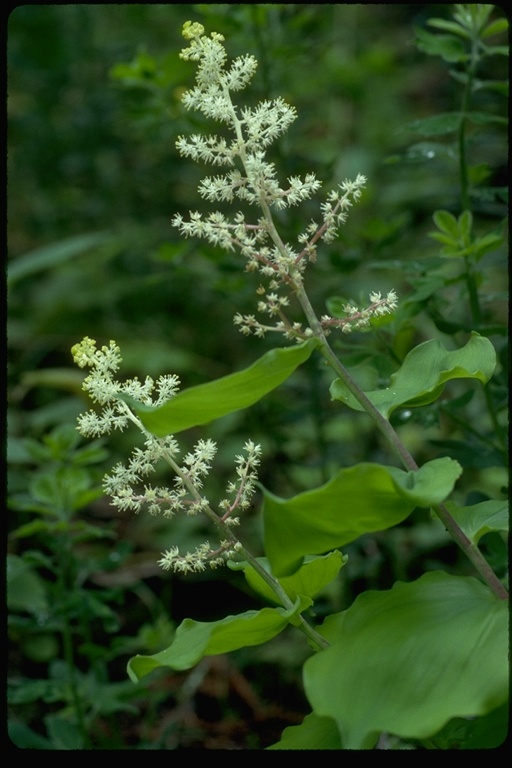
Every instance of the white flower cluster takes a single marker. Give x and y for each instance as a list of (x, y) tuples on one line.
[(335, 212), (253, 180), (254, 129), (203, 555), (242, 490), (360, 318), (104, 390), (126, 483), (273, 305)]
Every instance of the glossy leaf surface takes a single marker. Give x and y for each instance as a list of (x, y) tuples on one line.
[(358, 500), (424, 372), (407, 660), (207, 402)]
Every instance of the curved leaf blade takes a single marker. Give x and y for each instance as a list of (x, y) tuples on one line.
[(479, 519), (357, 500), (195, 639), (430, 484), (421, 378), (207, 402), (408, 660), (308, 581)]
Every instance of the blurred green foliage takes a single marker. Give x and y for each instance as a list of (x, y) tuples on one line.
[(94, 178)]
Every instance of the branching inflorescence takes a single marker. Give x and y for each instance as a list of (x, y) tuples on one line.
[(252, 179), (126, 484)]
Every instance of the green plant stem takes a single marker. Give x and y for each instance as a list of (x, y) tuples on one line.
[(382, 423), (474, 554), (227, 533), (471, 551), (317, 639)]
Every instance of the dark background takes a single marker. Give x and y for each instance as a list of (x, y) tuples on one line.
[(93, 182)]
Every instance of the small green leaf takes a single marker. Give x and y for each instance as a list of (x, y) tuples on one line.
[(449, 26), (195, 639), (465, 224), (407, 660), (450, 48), (447, 223), (358, 500), (483, 245), (495, 27), (430, 484), (206, 402), (421, 378), (480, 519), (309, 580)]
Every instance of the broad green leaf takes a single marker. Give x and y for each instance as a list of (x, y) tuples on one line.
[(407, 660), (358, 500), (424, 372), (480, 519), (53, 255), (430, 484), (313, 733), (206, 402), (195, 639), (309, 580), (437, 125)]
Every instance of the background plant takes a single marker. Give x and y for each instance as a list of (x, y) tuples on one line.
[(315, 440)]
